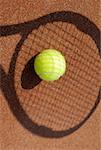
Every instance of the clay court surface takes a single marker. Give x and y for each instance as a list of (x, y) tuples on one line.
[(13, 136)]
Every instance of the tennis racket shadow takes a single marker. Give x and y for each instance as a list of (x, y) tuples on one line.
[(29, 78), (7, 79)]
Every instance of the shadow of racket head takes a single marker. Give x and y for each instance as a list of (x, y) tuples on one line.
[(84, 25)]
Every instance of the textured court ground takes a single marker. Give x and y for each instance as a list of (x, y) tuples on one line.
[(13, 135)]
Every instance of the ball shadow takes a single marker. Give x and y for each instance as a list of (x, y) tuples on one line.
[(29, 78)]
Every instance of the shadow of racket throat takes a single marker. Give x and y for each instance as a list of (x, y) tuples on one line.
[(8, 89)]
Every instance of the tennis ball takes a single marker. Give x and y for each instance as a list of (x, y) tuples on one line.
[(50, 65)]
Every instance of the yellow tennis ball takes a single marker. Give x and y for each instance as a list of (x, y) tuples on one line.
[(50, 65)]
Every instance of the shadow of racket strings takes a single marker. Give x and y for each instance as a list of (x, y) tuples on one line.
[(29, 79)]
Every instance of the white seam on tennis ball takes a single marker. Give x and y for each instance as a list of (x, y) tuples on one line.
[(54, 62), (49, 73), (44, 65), (56, 52), (59, 63), (52, 58), (58, 60), (57, 57), (53, 66), (56, 66)]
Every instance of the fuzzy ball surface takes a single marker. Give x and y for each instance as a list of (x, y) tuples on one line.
[(50, 65)]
